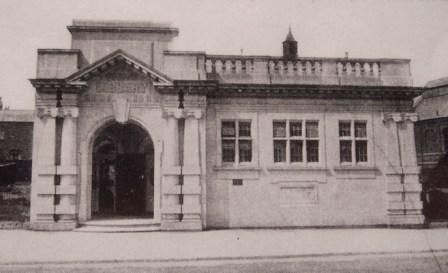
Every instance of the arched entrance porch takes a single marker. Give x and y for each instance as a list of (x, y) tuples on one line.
[(122, 172)]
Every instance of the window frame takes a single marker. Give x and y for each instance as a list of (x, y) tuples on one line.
[(236, 139), (302, 138), (353, 139)]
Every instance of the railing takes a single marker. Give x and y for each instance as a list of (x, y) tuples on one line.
[(302, 67), (359, 68), (299, 67), (231, 65)]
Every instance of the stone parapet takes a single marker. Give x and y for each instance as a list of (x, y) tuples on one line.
[(308, 70)]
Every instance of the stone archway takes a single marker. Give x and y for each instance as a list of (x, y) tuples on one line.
[(122, 172)]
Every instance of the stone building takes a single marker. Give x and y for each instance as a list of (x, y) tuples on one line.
[(431, 134), (127, 128)]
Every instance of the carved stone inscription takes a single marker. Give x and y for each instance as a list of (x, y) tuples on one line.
[(121, 81), (124, 86)]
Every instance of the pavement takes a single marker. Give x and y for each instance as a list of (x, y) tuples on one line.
[(24, 247)]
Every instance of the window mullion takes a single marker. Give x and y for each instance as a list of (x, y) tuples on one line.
[(305, 144), (237, 148), (288, 156), (353, 141)]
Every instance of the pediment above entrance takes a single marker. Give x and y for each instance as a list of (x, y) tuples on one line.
[(126, 63)]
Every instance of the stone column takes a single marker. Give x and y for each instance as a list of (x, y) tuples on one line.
[(67, 170), (54, 186), (44, 169), (402, 172), (181, 190), (191, 171), (171, 171), (171, 140)]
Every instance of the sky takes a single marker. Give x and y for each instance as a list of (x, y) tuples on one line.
[(411, 29)]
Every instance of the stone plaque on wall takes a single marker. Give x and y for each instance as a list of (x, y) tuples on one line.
[(292, 195)]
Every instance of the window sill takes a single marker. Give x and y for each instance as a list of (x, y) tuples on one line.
[(356, 172), (301, 168), (355, 168), (237, 168), (237, 172)]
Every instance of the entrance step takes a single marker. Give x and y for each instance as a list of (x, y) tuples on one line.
[(438, 224), (120, 225)]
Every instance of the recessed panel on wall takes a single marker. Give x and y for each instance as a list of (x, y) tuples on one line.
[(298, 194)]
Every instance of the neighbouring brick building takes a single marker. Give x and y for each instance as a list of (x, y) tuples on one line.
[(16, 139), (126, 127), (16, 134)]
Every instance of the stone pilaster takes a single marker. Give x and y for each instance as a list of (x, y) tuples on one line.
[(68, 170), (181, 188), (192, 172), (171, 171), (402, 173), (44, 170), (54, 186)]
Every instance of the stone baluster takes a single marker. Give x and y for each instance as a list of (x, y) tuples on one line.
[(229, 66), (218, 66), (300, 67), (348, 68), (290, 68), (308, 67), (244, 66), (209, 65)]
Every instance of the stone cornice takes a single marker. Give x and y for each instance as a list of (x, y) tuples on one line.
[(188, 53), (52, 85), (58, 51), (190, 87), (317, 91), (323, 59), (121, 29), (215, 89)]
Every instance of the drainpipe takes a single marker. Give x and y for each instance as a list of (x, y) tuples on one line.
[(400, 158), (181, 130), (57, 157)]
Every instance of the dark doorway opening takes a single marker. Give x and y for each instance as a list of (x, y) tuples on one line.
[(436, 191), (123, 173)]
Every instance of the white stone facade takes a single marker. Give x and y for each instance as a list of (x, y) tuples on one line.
[(216, 158)]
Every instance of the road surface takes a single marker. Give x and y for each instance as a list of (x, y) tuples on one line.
[(398, 263)]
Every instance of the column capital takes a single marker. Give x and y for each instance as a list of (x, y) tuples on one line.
[(53, 112), (399, 117), (182, 113)]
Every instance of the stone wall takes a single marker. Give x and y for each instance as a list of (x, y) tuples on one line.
[(263, 193)]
